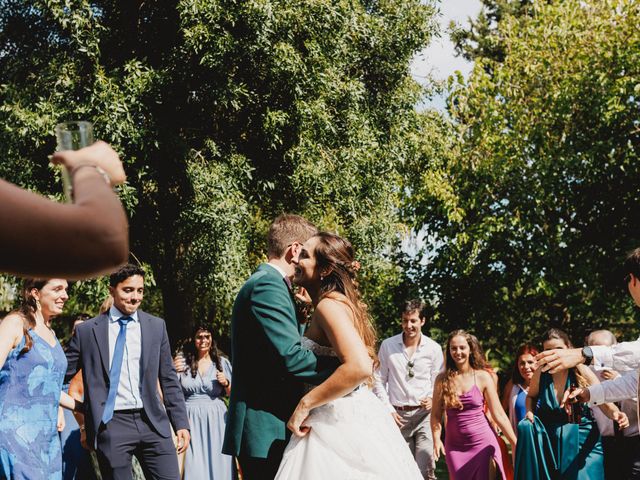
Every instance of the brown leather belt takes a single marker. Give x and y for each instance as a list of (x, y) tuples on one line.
[(407, 408)]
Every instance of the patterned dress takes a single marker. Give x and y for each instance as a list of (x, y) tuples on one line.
[(30, 387)]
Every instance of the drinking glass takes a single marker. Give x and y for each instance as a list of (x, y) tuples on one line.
[(72, 136)]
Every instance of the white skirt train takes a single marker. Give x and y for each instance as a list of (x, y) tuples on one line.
[(351, 438)]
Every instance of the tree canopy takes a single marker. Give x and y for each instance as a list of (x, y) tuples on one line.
[(538, 204), (226, 114)]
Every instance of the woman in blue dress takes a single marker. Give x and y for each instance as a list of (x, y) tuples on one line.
[(32, 370), (515, 391), (559, 445), (76, 460), (205, 379)]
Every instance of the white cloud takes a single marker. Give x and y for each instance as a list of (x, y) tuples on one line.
[(439, 59)]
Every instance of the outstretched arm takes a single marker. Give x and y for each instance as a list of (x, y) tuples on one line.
[(335, 320), (92, 232)]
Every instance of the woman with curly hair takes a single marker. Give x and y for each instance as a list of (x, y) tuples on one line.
[(471, 446), (341, 430), (205, 379)]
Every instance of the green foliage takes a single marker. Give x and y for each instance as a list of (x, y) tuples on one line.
[(226, 114), (484, 37), (539, 202)]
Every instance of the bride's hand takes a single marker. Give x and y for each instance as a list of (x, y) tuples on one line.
[(303, 296), (295, 423)]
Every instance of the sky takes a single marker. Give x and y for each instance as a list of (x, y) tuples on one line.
[(439, 58)]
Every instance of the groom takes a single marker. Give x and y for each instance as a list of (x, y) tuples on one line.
[(269, 362)]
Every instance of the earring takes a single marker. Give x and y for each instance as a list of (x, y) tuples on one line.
[(322, 278), (38, 306)]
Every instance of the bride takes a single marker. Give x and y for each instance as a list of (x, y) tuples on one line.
[(340, 428)]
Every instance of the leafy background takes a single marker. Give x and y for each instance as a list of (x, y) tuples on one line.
[(517, 203)]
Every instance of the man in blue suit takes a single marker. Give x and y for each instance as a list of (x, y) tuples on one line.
[(125, 356)]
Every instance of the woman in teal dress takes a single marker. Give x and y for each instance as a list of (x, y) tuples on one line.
[(32, 368), (551, 445)]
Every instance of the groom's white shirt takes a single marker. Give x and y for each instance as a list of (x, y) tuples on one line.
[(278, 269)]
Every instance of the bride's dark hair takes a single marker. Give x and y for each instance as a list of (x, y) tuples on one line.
[(335, 256)]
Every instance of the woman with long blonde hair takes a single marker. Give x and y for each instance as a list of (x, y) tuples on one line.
[(471, 447), (341, 429)]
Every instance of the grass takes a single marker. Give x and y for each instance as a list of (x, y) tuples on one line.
[(441, 470)]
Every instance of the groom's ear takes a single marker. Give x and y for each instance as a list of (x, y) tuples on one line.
[(293, 251)]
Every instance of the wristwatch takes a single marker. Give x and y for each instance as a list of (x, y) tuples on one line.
[(587, 354)]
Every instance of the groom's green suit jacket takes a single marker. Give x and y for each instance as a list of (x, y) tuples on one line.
[(269, 365)]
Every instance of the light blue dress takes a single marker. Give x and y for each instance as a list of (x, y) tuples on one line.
[(30, 385), (207, 413)]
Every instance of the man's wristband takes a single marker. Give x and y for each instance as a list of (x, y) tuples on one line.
[(104, 174), (587, 355)]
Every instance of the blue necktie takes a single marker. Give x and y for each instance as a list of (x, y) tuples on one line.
[(114, 372)]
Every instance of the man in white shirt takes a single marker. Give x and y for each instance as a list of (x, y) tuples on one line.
[(409, 365), (621, 452)]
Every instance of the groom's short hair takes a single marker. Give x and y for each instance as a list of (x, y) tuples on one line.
[(285, 230)]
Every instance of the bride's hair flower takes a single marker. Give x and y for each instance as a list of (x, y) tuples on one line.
[(355, 266)]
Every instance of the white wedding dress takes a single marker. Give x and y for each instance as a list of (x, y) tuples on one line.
[(351, 438)]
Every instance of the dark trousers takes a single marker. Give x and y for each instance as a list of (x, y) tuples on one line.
[(621, 458), (130, 433), (262, 468)]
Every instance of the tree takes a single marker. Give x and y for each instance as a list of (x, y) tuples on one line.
[(483, 36), (539, 196), (226, 114)]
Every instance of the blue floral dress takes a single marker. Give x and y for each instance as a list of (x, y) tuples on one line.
[(30, 385)]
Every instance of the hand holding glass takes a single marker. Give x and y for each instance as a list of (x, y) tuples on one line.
[(72, 136)]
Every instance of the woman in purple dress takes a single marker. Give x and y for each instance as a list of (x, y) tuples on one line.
[(471, 447)]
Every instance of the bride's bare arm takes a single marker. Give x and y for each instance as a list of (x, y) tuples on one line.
[(334, 318)]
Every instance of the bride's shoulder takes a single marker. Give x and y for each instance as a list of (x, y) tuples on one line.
[(333, 301), (334, 304)]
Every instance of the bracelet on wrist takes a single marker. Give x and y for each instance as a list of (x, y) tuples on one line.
[(104, 174)]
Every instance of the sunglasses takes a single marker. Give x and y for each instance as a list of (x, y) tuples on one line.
[(410, 371)]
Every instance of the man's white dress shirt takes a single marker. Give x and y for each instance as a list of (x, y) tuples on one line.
[(609, 390), (623, 357), (128, 395), (393, 385)]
